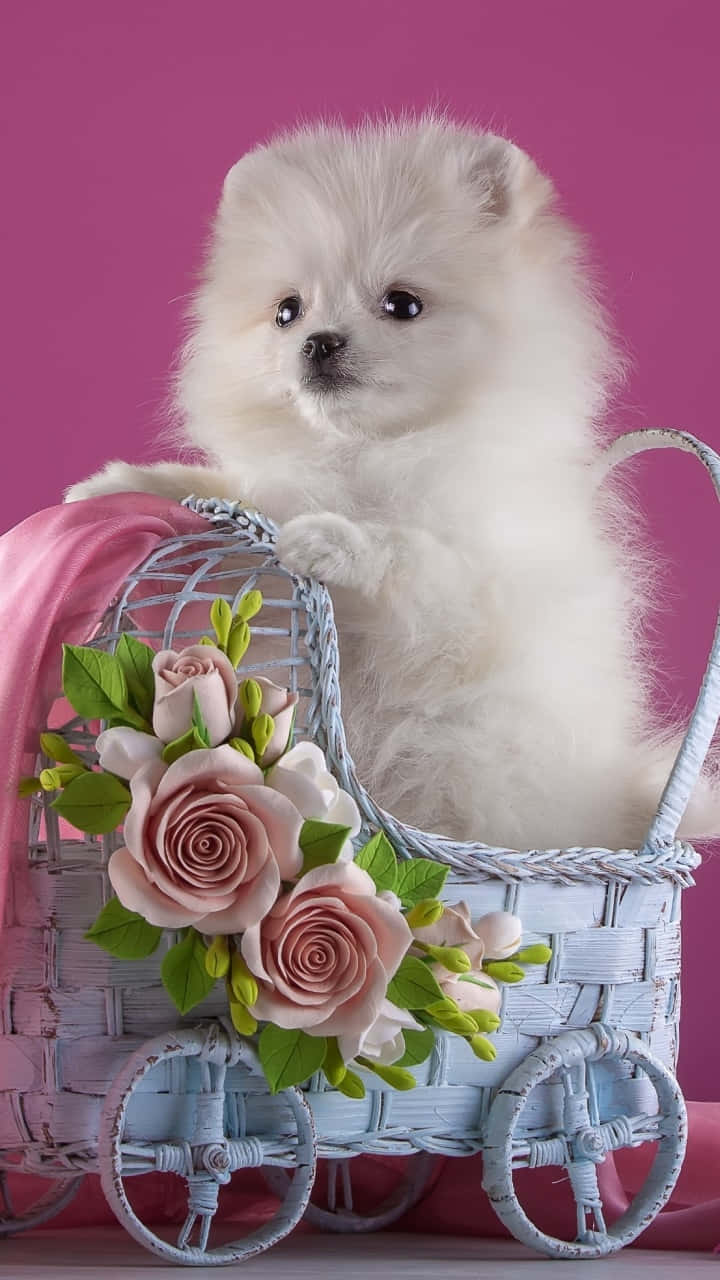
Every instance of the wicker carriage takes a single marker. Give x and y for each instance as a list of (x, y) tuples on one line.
[(585, 1053)]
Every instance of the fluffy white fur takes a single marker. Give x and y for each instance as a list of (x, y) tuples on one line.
[(494, 685)]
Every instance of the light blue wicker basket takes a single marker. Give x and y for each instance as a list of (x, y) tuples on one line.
[(587, 1046)]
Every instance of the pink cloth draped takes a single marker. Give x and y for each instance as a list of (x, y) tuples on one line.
[(58, 572)]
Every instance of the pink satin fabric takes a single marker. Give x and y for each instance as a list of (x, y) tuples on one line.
[(59, 570)]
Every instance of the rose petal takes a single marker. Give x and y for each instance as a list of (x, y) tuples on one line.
[(143, 787), (283, 824), (123, 750), (197, 768), (250, 906), (501, 934), (137, 893)]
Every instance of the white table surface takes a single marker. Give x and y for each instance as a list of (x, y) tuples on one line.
[(109, 1252)]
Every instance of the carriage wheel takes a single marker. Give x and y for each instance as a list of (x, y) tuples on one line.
[(334, 1207), (57, 1197), (584, 1142), (210, 1158)]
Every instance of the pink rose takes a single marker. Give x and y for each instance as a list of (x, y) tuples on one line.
[(280, 704), (324, 955), (207, 844), (200, 670)]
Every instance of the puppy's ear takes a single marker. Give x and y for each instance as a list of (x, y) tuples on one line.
[(509, 186)]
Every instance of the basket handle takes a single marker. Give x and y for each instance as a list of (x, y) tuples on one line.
[(703, 722)]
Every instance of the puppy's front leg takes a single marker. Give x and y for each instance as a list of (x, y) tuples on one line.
[(165, 479), (364, 556)]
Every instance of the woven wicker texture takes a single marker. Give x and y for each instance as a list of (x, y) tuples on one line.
[(76, 1022)]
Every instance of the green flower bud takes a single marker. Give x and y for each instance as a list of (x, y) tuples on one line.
[(504, 970), (483, 1048), (424, 913), (396, 1077), (538, 953), (242, 982), (262, 730), (351, 1085), (238, 641), (217, 957), (453, 958), (29, 787), (221, 619), (242, 1019), (56, 748), (452, 1019), (484, 1020), (239, 744), (55, 779), (250, 698), (250, 604), (333, 1066), (207, 640)]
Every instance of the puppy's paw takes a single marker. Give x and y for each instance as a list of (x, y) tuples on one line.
[(115, 477), (332, 549)]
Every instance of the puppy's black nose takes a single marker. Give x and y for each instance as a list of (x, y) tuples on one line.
[(321, 347)]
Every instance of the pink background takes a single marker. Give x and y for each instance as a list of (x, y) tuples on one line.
[(121, 120)]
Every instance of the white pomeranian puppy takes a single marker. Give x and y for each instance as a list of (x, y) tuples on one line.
[(396, 355)]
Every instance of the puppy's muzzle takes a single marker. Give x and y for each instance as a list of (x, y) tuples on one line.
[(321, 350)]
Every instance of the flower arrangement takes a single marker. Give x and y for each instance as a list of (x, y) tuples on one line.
[(240, 842)]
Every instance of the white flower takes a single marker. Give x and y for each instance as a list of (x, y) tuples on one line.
[(123, 750), (383, 1041), (303, 776)]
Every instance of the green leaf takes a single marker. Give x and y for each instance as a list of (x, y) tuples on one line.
[(395, 1076), (94, 684), (190, 741), (124, 933), (238, 641), (289, 1057), (136, 660), (351, 1085), (249, 605), (184, 972), (94, 802), (221, 619), (413, 986), (419, 878), (321, 843), (377, 857), (418, 1047), (56, 748), (198, 722)]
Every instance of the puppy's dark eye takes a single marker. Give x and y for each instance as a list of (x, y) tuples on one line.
[(289, 310), (401, 305)]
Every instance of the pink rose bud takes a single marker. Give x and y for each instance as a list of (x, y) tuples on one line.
[(201, 671)]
